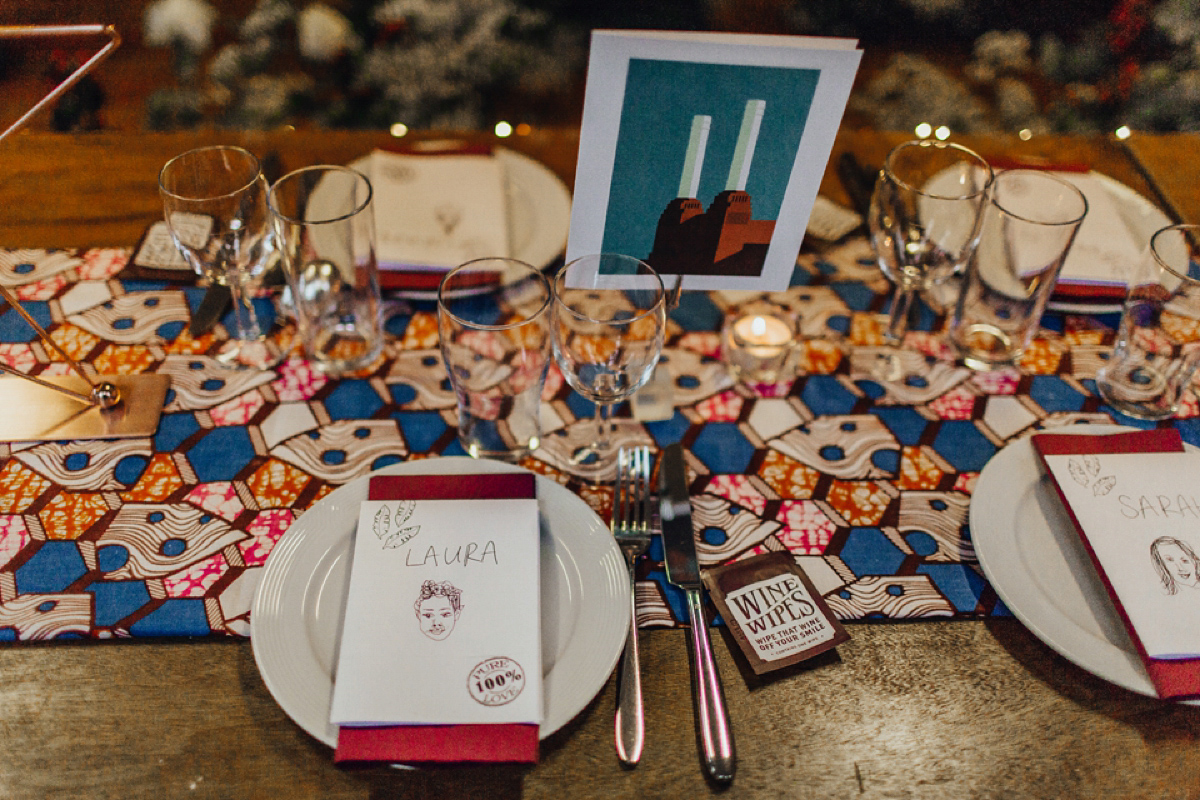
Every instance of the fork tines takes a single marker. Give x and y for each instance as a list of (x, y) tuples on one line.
[(631, 503)]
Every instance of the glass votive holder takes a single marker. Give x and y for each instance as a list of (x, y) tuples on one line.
[(757, 345)]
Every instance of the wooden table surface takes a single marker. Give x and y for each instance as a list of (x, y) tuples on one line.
[(921, 710)]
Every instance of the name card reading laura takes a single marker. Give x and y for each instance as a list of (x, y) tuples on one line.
[(442, 615), (775, 614)]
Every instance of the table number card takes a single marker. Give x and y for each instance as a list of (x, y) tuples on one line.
[(1138, 514), (702, 153), (442, 615)]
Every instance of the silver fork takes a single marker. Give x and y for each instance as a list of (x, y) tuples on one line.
[(631, 528)]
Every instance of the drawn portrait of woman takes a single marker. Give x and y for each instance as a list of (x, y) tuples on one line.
[(438, 608), (1176, 563)]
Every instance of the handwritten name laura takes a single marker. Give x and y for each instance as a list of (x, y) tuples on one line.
[(466, 554), (1159, 506)]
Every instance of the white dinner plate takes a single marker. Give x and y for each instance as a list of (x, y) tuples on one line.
[(1035, 561), (539, 212), (297, 612), (1141, 217)]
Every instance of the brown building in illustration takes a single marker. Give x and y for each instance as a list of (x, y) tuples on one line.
[(725, 239)]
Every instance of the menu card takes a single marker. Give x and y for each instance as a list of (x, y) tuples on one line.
[(454, 674), (1134, 502), (702, 153), (433, 211), (1104, 251)]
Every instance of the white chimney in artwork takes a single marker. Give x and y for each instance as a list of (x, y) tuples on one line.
[(743, 154), (689, 181)]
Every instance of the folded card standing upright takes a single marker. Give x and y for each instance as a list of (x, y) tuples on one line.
[(1135, 503), (442, 622)]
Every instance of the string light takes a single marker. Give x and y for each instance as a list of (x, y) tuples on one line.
[(524, 129), (923, 130), (1025, 134), (503, 129), (399, 129), (942, 133), (1123, 132)]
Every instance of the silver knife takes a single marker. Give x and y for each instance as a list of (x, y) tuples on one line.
[(683, 570)]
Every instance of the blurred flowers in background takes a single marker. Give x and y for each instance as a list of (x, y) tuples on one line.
[(968, 65)]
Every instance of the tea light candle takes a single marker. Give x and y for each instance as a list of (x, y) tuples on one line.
[(762, 335), (756, 346)]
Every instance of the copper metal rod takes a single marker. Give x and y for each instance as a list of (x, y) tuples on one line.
[(32, 31)]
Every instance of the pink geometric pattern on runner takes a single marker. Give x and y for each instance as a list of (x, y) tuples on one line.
[(298, 380), (724, 407), (240, 410), (195, 580), (18, 356), (706, 344), (954, 404), (266, 529), (102, 262), (13, 536), (1002, 381), (219, 499), (739, 490), (43, 289), (807, 530)]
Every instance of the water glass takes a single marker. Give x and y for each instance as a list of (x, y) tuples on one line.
[(1029, 223), (325, 227), (1158, 343), (493, 324)]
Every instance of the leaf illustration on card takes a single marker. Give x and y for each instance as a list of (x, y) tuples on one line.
[(1104, 485), (1078, 472), (383, 522), (402, 536), (1092, 465)]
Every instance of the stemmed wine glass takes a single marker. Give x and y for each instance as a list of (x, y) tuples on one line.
[(924, 222), (607, 322), (215, 205)]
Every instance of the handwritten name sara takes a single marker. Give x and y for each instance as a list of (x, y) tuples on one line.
[(1159, 506)]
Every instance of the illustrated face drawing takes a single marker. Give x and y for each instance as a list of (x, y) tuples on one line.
[(1175, 562), (438, 609)]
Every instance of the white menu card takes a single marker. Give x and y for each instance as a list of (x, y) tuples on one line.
[(442, 616), (436, 211), (1140, 516)]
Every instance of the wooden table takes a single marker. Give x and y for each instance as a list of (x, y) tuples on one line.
[(922, 710)]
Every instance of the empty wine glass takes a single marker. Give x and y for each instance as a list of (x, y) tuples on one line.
[(607, 320), (924, 222), (215, 205)]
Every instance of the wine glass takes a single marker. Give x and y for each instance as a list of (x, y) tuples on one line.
[(924, 222), (607, 322), (215, 205)]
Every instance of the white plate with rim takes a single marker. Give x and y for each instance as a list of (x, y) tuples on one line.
[(539, 212), (1033, 558), (297, 612), (1142, 218)]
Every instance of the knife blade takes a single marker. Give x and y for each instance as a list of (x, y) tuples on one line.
[(683, 570)]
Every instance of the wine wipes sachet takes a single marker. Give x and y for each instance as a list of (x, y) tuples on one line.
[(774, 612)]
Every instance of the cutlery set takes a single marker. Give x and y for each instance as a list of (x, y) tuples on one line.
[(632, 525)]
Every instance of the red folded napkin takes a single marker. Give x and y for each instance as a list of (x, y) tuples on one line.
[(443, 744), (1172, 678)]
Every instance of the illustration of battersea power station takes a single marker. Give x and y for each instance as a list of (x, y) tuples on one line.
[(726, 239)]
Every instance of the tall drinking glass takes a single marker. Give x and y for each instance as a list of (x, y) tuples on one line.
[(215, 205), (1158, 344), (924, 222), (1028, 226), (607, 323), (325, 226), (494, 331)]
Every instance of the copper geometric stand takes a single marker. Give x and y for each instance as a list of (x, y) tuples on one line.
[(73, 406)]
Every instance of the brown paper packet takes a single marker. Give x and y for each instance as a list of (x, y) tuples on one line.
[(773, 611)]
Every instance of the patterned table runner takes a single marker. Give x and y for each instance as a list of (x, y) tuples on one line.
[(866, 483)]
